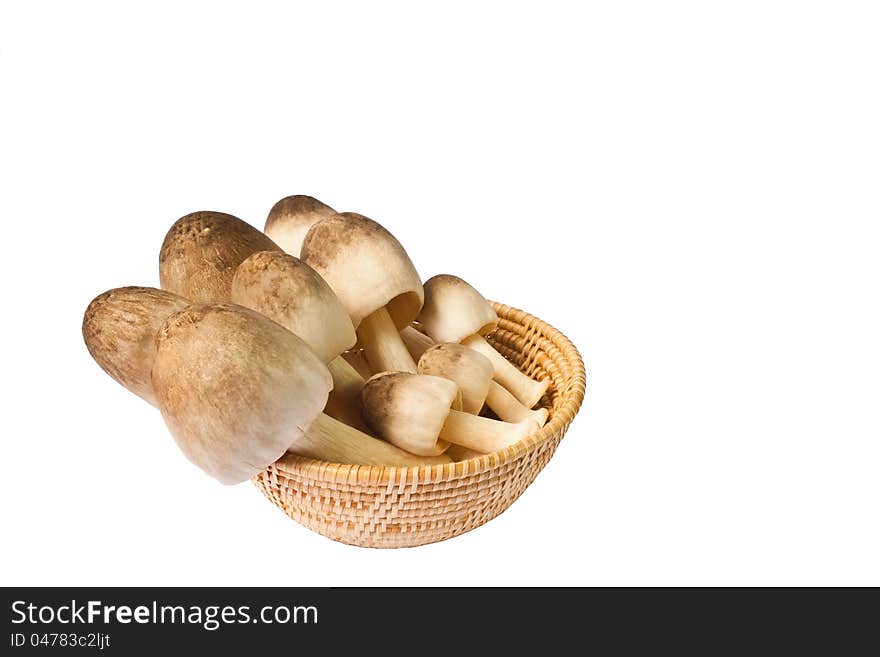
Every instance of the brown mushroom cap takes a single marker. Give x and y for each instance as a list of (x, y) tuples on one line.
[(471, 371), (288, 291), (290, 219), (120, 326), (409, 410), (454, 310), (202, 251), (235, 388), (366, 266)]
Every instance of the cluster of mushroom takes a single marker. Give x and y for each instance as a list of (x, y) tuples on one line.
[(302, 338)]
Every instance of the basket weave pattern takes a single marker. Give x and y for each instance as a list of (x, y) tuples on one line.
[(388, 507)]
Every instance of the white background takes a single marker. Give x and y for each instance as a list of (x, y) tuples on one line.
[(688, 190)]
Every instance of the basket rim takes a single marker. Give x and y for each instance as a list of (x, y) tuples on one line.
[(377, 474)]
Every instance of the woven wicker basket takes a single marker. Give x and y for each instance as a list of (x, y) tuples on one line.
[(393, 507)]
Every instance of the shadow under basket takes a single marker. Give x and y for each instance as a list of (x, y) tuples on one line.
[(391, 507)]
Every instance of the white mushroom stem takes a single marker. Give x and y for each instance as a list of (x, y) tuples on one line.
[(383, 346), (527, 390), (483, 434), (416, 342), (343, 402), (346, 379), (459, 453), (508, 408), (327, 439)]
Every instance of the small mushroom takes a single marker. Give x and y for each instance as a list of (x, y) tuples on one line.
[(416, 342), (202, 251), (472, 372), (455, 312), (419, 413), (510, 409), (374, 279), (238, 390), (290, 219), (288, 291), (459, 453), (119, 328), (358, 361)]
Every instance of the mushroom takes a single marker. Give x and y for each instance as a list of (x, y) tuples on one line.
[(288, 291), (420, 413), (510, 409), (375, 281), (358, 361), (202, 251), (238, 390), (459, 453), (455, 312), (290, 219), (119, 328), (472, 372), (416, 342)]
